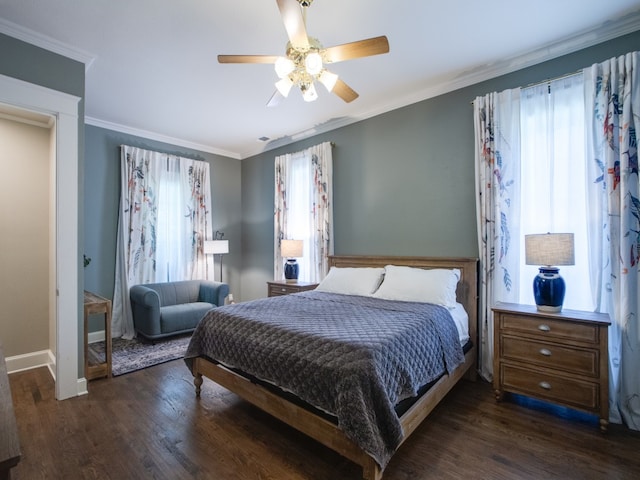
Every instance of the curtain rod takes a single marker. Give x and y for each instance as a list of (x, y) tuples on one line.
[(549, 80)]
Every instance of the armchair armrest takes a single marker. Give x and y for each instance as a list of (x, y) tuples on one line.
[(144, 296), (213, 292), (145, 307)]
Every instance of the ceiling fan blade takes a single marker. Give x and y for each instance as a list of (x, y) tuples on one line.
[(344, 91), (293, 19), (275, 99), (247, 58), (362, 48)]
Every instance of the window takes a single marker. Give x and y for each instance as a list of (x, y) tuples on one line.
[(165, 217), (553, 179), (170, 241), (303, 209), (299, 208)]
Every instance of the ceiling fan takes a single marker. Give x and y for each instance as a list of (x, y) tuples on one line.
[(305, 58)]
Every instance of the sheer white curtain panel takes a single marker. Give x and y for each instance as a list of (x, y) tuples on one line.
[(553, 189)]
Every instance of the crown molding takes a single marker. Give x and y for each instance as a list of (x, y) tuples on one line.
[(137, 132), (607, 31), (34, 38)]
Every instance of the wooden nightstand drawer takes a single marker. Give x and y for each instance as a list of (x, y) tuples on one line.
[(583, 361), (275, 289), (546, 327), (572, 392)]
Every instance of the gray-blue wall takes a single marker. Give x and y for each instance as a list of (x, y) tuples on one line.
[(102, 196), (403, 181)]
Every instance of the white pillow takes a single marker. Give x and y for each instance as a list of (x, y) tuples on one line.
[(352, 281), (410, 284)]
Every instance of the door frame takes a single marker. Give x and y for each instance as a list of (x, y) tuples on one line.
[(63, 108)]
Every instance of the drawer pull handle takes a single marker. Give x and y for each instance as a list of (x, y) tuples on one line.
[(544, 328), (545, 352), (545, 385)]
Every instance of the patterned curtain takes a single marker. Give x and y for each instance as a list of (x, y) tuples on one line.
[(322, 209), (612, 93), (497, 171), (196, 188), (280, 218), (314, 167), (145, 252)]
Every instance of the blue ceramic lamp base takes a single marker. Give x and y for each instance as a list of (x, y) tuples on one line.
[(291, 269), (548, 290)]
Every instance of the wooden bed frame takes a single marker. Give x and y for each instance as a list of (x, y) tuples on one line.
[(327, 432)]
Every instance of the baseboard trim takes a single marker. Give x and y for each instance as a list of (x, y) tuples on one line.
[(94, 337), (83, 386), (28, 361), (43, 358)]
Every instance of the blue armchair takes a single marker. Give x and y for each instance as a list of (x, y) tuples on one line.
[(171, 308)]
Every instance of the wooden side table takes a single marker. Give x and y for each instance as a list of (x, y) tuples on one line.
[(281, 287), (95, 304), (556, 357)]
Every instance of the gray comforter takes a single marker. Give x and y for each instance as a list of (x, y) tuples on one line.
[(353, 357)]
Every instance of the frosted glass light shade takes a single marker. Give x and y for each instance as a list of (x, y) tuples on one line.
[(328, 79), (313, 63), (284, 86), (284, 67), (310, 94)]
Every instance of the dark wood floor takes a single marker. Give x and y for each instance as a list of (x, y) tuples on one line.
[(149, 424)]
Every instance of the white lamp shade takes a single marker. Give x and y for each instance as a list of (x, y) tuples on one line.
[(328, 79), (549, 249), (216, 247), (310, 94), (284, 86), (313, 63), (291, 248), (284, 67)]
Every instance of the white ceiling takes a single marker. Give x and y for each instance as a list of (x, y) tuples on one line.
[(151, 66)]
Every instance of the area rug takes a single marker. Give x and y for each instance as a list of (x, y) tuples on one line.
[(130, 355)]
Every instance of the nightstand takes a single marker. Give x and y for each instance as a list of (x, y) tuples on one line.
[(556, 357), (281, 287)]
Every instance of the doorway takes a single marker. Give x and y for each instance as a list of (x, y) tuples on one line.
[(65, 295)]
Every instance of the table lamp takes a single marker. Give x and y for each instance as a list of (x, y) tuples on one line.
[(291, 249), (217, 247), (549, 250)]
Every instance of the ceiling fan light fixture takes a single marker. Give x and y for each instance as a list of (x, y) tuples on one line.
[(328, 79), (313, 63), (284, 86), (284, 66), (309, 93)]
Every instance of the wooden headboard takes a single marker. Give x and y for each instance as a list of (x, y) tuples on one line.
[(467, 292)]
